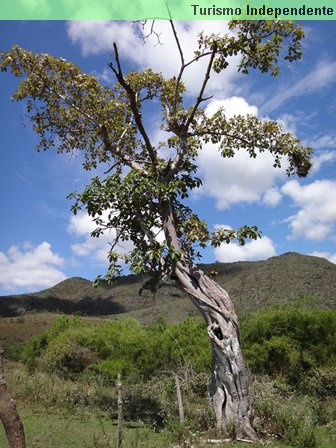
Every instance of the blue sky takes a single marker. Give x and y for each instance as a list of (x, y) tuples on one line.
[(41, 243)]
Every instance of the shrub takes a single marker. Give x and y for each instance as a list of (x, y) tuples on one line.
[(282, 413), (33, 349), (187, 344), (289, 341), (108, 369), (322, 382)]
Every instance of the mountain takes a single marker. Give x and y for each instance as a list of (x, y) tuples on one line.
[(251, 285)]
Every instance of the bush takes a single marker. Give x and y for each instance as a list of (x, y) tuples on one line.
[(108, 370), (282, 413), (322, 383), (13, 352), (289, 342), (33, 349)]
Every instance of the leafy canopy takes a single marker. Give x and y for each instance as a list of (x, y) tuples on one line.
[(72, 112)]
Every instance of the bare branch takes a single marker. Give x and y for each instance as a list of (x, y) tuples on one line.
[(152, 31), (179, 76), (132, 95), (205, 81), (111, 168), (184, 136)]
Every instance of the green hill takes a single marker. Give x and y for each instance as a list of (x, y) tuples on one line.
[(251, 285)]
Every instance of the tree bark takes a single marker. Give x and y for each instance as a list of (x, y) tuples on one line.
[(229, 389), (9, 415)]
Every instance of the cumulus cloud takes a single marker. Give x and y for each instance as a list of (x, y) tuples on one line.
[(316, 217), (321, 158), (81, 226), (259, 249), (272, 197), (30, 267), (237, 179), (97, 37), (329, 256), (322, 75)]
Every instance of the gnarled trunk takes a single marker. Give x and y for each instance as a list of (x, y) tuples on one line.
[(229, 384)]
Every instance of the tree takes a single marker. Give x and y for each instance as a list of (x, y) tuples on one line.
[(8, 414), (144, 191)]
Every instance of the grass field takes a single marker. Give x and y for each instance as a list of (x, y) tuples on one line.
[(85, 430), (62, 430)]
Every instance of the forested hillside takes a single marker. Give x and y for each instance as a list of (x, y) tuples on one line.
[(251, 285)]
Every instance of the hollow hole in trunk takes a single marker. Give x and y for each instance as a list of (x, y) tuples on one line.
[(218, 332)]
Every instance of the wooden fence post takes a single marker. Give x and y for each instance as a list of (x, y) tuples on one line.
[(120, 412), (179, 399)]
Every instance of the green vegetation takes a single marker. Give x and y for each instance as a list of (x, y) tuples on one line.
[(292, 343), (72, 368), (81, 430), (93, 431), (73, 348)]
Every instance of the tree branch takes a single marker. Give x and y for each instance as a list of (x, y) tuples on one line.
[(104, 133), (134, 107), (200, 95), (116, 151), (183, 66)]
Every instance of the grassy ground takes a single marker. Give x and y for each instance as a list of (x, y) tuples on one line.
[(85, 430), (59, 430)]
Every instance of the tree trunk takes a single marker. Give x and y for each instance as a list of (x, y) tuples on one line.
[(9, 415), (229, 383)]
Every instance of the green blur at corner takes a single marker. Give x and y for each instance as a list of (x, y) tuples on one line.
[(176, 9)]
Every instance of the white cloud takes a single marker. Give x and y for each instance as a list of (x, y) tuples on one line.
[(316, 218), (323, 142), (237, 179), (30, 267), (106, 76), (297, 120), (272, 197), (259, 249), (329, 256), (97, 37), (81, 226), (234, 105), (322, 157), (323, 75)]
